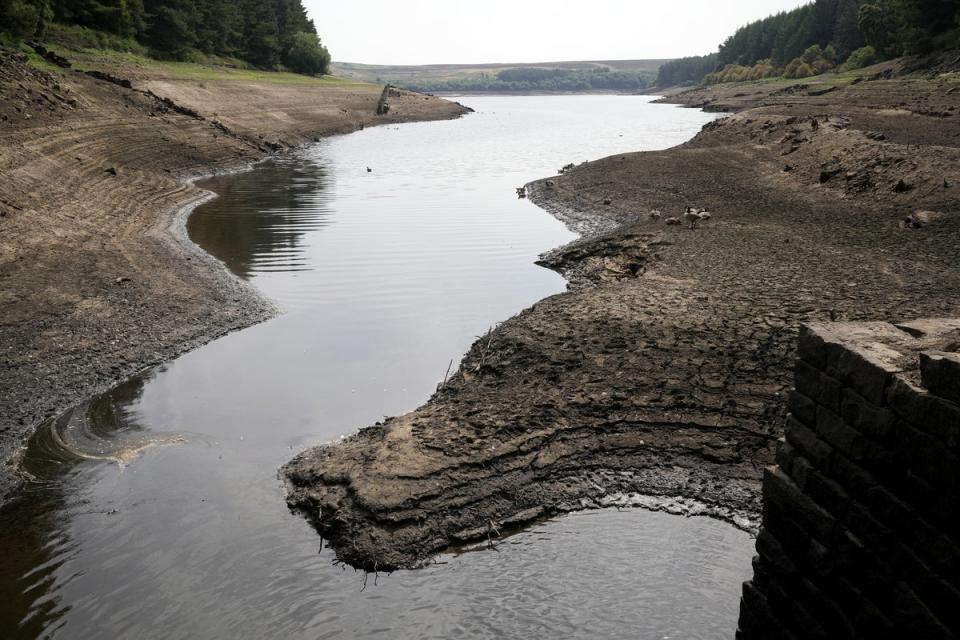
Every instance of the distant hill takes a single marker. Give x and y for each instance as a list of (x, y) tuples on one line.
[(571, 76)]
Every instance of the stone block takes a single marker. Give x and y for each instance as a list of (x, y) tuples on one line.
[(827, 493), (807, 443), (940, 374), (802, 407), (801, 471), (873, 421), (927, 458), (812, 348), (855, 480), (785, 456), (861, 373), (819, 560), (828, 613), (937, 550), (773, 556), (938, 508), (836, 433), (930, 328), (791, 607), (913, 619), (864, 355), (866, 617), (943, 599), (850, 550), (890, 510), (817, 386), (935, 416), (781, 490), (877, 537), (757, 620), (793, 540)]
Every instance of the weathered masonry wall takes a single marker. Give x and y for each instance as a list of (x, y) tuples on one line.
[(862, 514)]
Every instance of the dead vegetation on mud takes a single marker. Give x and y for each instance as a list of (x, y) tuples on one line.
[(664, 370)]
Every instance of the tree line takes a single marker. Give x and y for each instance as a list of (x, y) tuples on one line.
[(263, 33), (822, 35), (535, 79)]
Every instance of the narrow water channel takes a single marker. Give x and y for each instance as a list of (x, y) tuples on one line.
[(156, 511)]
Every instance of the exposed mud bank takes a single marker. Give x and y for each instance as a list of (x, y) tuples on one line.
[(98, 279), (662, 373)]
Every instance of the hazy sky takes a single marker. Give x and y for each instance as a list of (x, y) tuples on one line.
[(451, 31)]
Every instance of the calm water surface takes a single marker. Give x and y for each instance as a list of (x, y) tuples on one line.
[(156, 511)]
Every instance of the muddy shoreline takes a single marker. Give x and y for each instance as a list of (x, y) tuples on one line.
[(663, 373), (98, 278)]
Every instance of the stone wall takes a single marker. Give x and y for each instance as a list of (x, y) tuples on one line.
[(862, 512)]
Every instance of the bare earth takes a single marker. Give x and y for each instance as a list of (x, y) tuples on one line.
[(660, 378), (97, 277)]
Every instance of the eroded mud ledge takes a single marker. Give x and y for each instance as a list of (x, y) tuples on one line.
[(663, 370)]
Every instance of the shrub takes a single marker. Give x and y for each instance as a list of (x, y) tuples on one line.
[(306, 55), (862, 57), (21, 19), (76, 37), (739, 73)]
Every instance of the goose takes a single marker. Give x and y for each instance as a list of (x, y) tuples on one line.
[(692, 217)]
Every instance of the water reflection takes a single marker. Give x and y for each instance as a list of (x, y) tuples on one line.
[(34, 528), (259, 225)]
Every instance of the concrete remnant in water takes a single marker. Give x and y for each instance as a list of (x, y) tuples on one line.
[(383, 106), (861, 517)]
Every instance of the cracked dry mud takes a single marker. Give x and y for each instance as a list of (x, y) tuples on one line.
[(663, 371)]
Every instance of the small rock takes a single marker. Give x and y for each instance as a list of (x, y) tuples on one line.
[(901, 186), (827, 174), (112, 171), (940, 373), (672, 222), (608, 201), (122, 279)]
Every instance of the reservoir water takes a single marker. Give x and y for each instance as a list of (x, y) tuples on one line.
[(155, 511)]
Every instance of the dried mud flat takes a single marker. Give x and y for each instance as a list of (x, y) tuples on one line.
[(97, 277), (660, 377)]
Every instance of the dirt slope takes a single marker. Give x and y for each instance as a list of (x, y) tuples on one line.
[(97, 279)]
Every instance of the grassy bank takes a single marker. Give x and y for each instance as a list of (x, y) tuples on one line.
[(212, 69)]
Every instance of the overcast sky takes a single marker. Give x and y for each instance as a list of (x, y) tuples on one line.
[(451, 31)]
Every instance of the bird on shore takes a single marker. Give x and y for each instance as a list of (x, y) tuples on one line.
[(369, 170), (695, 216)]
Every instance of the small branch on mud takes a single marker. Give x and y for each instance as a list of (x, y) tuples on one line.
[(492, 531), (485, 349)]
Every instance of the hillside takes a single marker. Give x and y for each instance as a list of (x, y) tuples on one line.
[(628, 75)]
